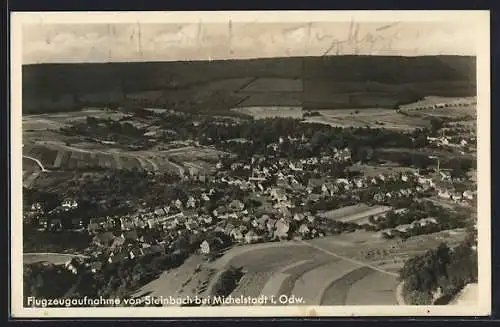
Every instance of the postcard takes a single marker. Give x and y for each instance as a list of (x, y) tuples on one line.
[(250, 164)]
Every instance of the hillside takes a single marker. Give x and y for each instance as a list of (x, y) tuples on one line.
[(311, 82)]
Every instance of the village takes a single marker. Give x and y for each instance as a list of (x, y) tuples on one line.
[(273, 199)]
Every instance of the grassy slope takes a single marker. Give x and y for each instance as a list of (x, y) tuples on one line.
[(336, 81)]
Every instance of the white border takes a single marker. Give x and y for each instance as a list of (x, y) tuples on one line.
[(481, 18)]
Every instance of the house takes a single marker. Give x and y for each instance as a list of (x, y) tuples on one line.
[(444, 176), (76, 222), (324, 189), (304, 230), (427, 221), (36, 206), (117, 243), (178, 204), (72, 265), (211, 245), (285, 211), (278, 194), (251, 237), (236, 205), (270, 223), (404, 178), (55, 224), (468, 195), (126, 223), (179, 219), (103, 239), (93, 228), (281, 229), (404, 228), (229, 227), (298, 216), (132, 254), (342, 181), (95, 266), (152, 223), (296, 167), (130, 236), (236, 234), (119, 256), (456, 197), (444, 194), (191, 202), (158, 212), (69, 204)]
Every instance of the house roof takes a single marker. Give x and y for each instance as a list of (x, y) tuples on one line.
[(131, 235), (105, 237)]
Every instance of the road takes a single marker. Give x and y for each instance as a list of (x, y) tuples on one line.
[(38, 162), (54, 258)]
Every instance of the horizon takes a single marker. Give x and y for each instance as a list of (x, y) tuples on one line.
[(234, 59)]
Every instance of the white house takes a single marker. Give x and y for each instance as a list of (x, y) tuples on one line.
[(251, 237), (236, 234), (205, 247), (467, 194), (178, 204), (282, 228), (444, 194), (304, 230)]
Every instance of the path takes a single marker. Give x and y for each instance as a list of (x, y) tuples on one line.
[(357, 262), (38, 162)]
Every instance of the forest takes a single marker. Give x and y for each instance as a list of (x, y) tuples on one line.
[(444, 268)]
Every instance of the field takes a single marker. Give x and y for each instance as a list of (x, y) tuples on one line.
[(351, 269), (373, 117), (387, 168), (356, 117), (271, 112), (358, 214), (431, 101), (55, 151)]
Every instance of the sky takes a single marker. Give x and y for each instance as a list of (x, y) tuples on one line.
[(48, 42)]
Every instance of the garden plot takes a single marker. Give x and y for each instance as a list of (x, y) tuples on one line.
[(263, 112), (359, 213)]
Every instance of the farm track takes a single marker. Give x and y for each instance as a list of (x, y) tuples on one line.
[(357, 262), (38, 162)]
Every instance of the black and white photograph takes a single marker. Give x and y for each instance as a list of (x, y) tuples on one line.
[(180, 164)]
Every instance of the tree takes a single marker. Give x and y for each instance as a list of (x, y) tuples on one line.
[(436, 124)]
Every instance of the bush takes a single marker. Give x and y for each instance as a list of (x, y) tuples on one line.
[(228, 281)]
